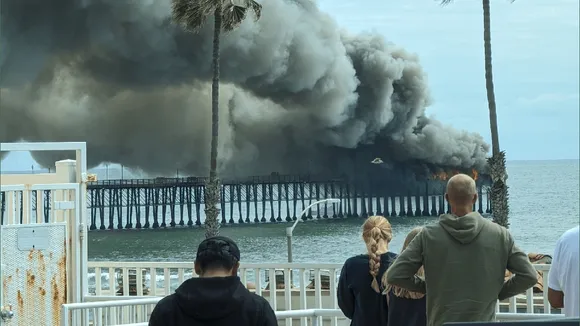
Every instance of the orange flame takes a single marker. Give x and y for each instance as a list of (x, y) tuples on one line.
[(440, 176), (444, 176)]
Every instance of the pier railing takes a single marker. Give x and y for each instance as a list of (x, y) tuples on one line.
[(285, 286), (161, 203), (170, 203)]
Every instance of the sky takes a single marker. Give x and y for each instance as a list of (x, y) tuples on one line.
[(535, 47), (535, 65)]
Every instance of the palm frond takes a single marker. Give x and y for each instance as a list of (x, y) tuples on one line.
[(256, 8), (178, 9), (192, 14), (232, 16)]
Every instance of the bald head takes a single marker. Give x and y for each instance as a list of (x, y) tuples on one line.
[(461, 190)]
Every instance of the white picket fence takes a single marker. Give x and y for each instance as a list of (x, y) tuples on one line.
[(299, 286)]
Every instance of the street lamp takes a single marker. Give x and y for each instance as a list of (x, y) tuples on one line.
[(290, 230)]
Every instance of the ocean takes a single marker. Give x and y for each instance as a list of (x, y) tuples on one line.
[(544, 202)]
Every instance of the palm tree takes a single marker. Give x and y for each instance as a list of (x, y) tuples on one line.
[(227, 15), (496, 163)]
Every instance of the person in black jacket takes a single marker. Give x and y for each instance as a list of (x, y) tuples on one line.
[(406, 307), (217, 297), (359, 295)]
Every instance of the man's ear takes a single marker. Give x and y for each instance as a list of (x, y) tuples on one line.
[(475, 198), (235, 268), (197, 269), (446, 197)]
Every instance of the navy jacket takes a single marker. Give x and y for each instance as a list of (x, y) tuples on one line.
[(357, 300), (407, 312)]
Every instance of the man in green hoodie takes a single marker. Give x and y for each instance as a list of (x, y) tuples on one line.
[(464, 257)]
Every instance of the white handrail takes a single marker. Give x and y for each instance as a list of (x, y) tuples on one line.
[(189, 265), (110, 303), (309, 313), (314, 314), (85, 307), (526, 316)]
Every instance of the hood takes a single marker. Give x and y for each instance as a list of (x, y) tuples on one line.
[(211, 297), (463, 228)]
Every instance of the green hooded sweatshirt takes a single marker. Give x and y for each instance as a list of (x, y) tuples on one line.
[(465, 259)]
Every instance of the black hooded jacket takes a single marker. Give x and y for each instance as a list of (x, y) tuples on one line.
[(356, 298), (215, 301)]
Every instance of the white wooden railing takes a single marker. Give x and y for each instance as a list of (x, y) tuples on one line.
[(105, 313), (105, 279), (299, 286), (136, 312)]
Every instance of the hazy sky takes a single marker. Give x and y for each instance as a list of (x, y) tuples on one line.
[(535, 61), (536, 69)]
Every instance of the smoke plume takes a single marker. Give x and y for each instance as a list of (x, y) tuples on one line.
[(297, 94)]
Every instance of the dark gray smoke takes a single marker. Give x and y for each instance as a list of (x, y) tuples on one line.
[(296, 91)]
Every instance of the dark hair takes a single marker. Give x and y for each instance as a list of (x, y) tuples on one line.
[(217, 253)]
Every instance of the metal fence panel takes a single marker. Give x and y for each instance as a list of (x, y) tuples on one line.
[(34, 272)]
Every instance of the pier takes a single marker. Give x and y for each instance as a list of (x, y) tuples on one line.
[(179, 202), (53, 207)]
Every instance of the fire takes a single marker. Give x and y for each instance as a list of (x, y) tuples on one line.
[(444, 175), (440, 176)]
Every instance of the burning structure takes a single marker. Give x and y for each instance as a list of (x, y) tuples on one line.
[(299, 96)]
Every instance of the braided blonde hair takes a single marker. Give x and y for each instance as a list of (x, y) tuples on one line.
[(375, 230), (398, 291)]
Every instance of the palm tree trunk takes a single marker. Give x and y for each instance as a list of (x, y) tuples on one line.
[(212, 188), (499, 188), (489, 78)]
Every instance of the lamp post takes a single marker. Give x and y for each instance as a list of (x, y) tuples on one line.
[(290, 230)]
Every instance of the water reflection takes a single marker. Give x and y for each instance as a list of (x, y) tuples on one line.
[(329, 240)]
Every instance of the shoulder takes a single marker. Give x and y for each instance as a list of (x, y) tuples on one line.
[(356, 259), (494, 228), (388, 257), (430, 228), (165, 305), (571, 235), (431, 231), (255, 307), (568, 241), (356, 264), (259, 303)]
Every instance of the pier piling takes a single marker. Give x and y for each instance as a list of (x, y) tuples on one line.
[(179, 202)]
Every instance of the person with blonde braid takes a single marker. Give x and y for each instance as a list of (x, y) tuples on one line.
[(406, 307), (359, 295)]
